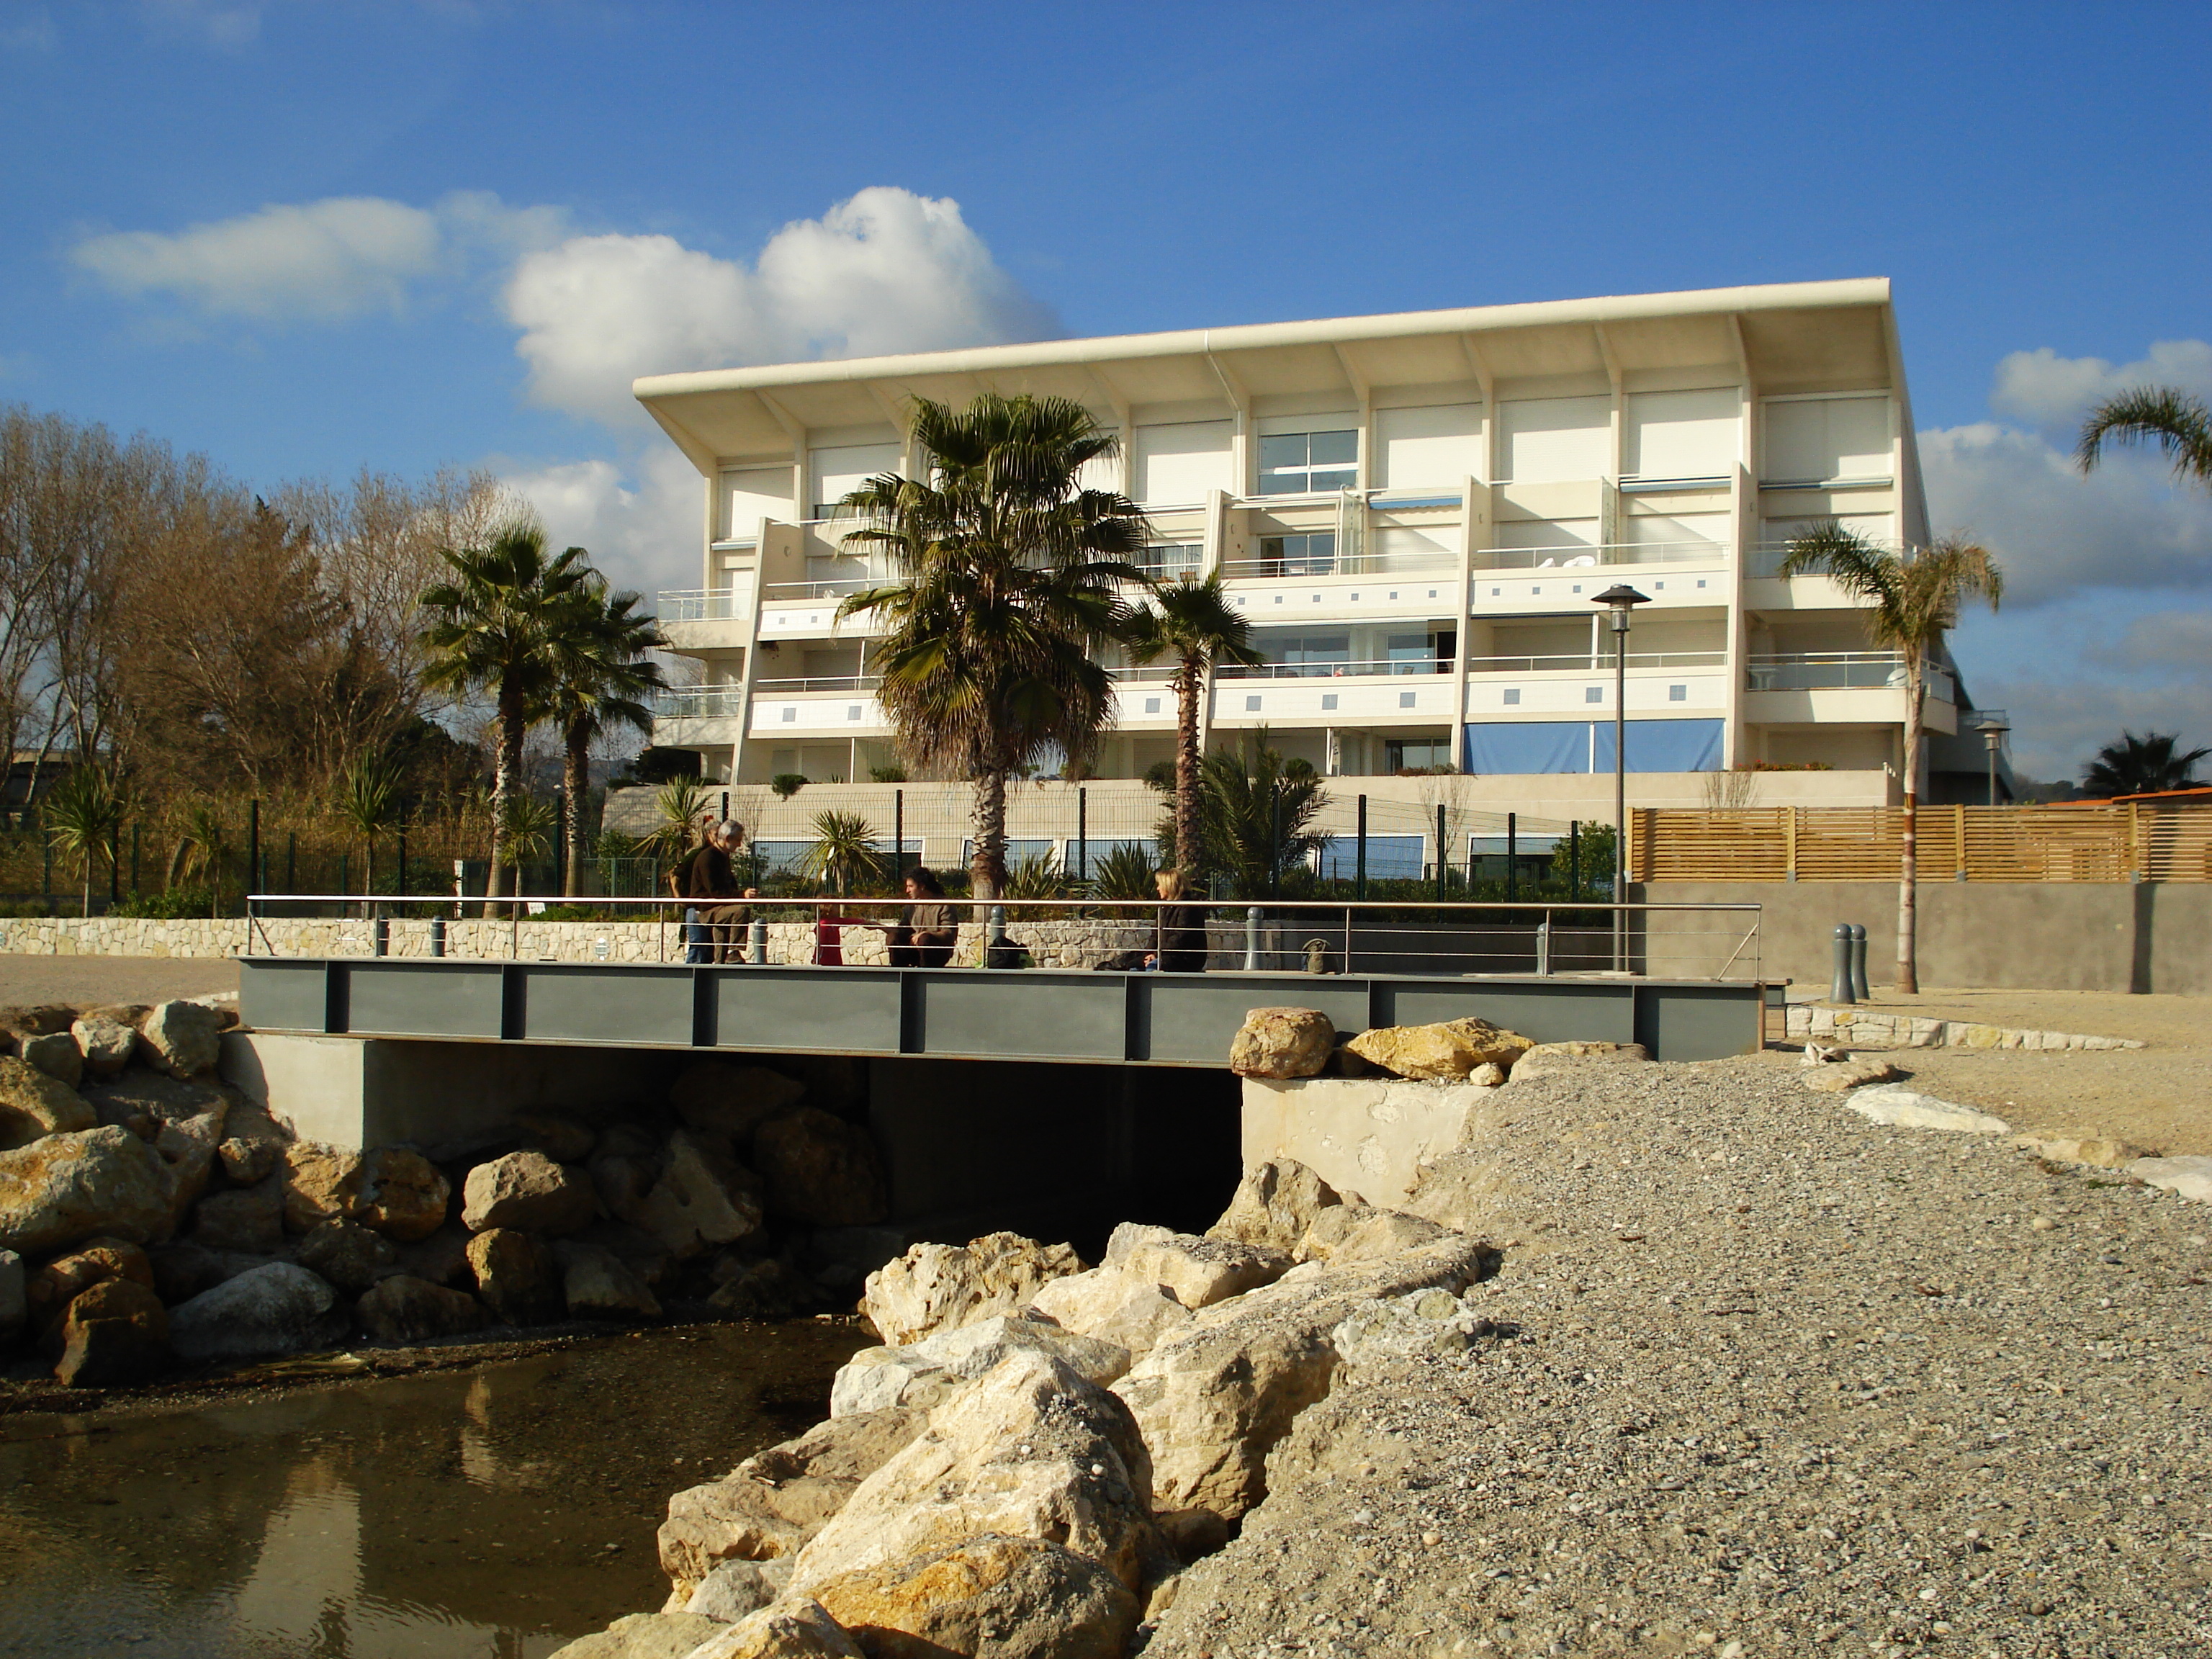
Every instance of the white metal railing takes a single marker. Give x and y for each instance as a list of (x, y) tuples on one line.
[(1152, 672), (1765, 558), (834, 589), (1585, 662), (695, 702), (1819, 670), (698, 604), (1331, 670), (1576, 556), (1368, 564), (818, 683)]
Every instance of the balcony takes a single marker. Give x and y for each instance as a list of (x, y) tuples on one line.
[(700, 604), (1335, 671), (1579, 556), (1583, 662), (1821, 670), (697, 702)]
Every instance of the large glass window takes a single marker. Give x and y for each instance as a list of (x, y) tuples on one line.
[(1416, 754), (1422, 653), (1169, 559), (1298, 555), (1307, 647), (1303, 463)]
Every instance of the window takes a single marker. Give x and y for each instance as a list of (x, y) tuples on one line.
[(838, 473), (1405, 700), (852, 711), (1329, 699), (1421, 654), (1415, 754), (1251, 705), (790, 714), (1167, 559), (1437, 446), (1681, 434), (1512, 696), (1812, 439), (1152, 705), (1304, 463), (1546, 439), (1593, 694), (1180, 463), (1678, 694), (1298, 556), (1308, 648)]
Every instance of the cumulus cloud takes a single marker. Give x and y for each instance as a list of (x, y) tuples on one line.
[(320, 261), (886, 270), (2048, 390), (641, 526)]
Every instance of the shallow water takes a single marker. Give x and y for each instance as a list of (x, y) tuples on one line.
[(500, 1510)]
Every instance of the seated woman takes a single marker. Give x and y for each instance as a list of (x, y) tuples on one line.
[(1181, 941), (926, 931)]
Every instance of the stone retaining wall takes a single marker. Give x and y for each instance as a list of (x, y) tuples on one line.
[(1809, 1020)]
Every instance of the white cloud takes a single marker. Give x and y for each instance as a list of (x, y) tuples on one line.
[(321, 261), (2050, 390), (642, 530), (885, 271)]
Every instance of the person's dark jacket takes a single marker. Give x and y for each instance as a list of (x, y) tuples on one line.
[(707, 874), (1183, 944)]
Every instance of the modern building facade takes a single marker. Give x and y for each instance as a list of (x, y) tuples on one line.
[(1416, 513)]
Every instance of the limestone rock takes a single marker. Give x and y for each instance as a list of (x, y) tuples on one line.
[(1113, 1306), (797, 1628), (1855, 1073), (187, 1149), (401, 1194), (1445, 1052), (637, 1249), (52, 1288), (1282, 1042), (732, 1589), (761, 1288), (643, 1636), (1905, 1109), (2096, 1150), (402, 1308), (1399, 1327), (1212, 1400), (71, 1186), (821, 1170), (927, 1372), (321, 1183), (723, 1098), (2190, 1175), (18, 1022), (1549, 1059), (348, 1254), (1361, 1232), (442, 1258), (182, 1038), (595, 1285), (107, 1044), (1488, 1075), (182, 1271), (1197, 1272), (623, 1181), (14, 1295), (249, 1163), (241, 1218), (530, 1191), (701, 1198), (773, 1502), (1275, 1205), (1029, 1449), (35, 1104), (935, 1286), (517, 1276), (278, 1310), (563, 1139), (1005, 1597), (116, 1332), (57, 1054)]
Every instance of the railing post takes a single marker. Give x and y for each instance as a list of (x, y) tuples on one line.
[(1544, 944), (994, 935), (1839, 987), (437, 936), (1082, 834), (757, 942), (1859, 991), (1252, 938)]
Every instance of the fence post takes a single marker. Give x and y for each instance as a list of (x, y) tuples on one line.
[(1839, 987), (1082, 834), (291, 861), (1544, 944), (1440, 854), (898, 837), (1512, 856), (399, 885), (253, 844), (1574, 858), (137, 826), (1359, 880), (1789, 842)]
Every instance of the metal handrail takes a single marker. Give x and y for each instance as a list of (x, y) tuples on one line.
[(1581, 662), (1373, 666), (819, 683), (1575, 555)]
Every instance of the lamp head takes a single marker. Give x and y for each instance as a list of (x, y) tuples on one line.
[(1621, 599), (1994, 726)]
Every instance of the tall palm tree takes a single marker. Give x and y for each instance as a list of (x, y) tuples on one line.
[(2176, 422), (1009, 573), (1914, 598), (1192, 621), (1257, 818), (600, 675), (2141, 765), (844, 852), (493, 625), (82, 814)]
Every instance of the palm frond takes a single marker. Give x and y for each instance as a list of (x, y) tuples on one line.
[(2176, 420)]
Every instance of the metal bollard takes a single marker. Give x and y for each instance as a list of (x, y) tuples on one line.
[(757, 942), (1840, 991), (1543, 946), (994, 938), (383, 934), (1252, 939), (1859, 991), (696, 950), (437, 936)]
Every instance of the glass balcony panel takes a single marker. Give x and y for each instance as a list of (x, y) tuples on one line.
[(1823, 670), (1578, 557)]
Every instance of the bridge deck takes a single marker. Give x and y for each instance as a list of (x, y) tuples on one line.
[(1144, 1019)]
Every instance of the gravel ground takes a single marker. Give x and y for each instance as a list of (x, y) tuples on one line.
[(33, 978), (1770, 1379)]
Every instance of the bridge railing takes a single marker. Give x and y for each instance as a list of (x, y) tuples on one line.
[(1677, 941)]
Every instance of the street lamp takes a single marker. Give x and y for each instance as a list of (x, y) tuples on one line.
[(1621, 600), (1994, 726)]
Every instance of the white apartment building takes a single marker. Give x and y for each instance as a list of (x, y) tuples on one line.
[(1416, 513)]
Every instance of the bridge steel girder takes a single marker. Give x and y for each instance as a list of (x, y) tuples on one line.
[(1129, 1019)]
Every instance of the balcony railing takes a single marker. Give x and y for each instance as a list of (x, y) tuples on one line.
[(1823, 670), (1579, 557), (698, 604), (1584, 662), (1765, 559), (816, 683), (1353, 564), (1335, 671), (697, 702), (836, 589)]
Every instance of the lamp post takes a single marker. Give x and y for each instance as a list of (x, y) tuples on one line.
[(1620, 600), (1995, 725)]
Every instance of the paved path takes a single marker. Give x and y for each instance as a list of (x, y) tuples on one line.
[(85, 980)]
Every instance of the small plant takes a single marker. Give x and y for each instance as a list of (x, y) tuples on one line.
[(1036, 877), (525, 835), (785, 785), (1125, 870), (844, 852), (682, 803), (175, 904), (887, 775), (200, 852), (83, 813)]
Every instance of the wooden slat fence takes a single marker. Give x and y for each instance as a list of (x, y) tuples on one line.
[(2096, 841)]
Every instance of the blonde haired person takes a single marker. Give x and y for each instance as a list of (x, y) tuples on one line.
[(1179, 938)]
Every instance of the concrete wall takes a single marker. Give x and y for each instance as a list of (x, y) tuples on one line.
[(2127, 937), (1363, 1135)]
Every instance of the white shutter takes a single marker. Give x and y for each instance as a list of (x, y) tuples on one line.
[(1439, 445), (748, 497), (1546, 440), (838, 473), (1681, 434), (1175, 465), (1812, 440)]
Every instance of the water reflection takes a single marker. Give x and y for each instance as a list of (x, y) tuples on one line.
[(490, 1514)]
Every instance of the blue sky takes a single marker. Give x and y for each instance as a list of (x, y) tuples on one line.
[(304, 237)]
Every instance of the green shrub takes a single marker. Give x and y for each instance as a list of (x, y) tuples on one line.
[(172, 904)]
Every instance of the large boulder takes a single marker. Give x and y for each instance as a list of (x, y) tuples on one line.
[(596, 1284), (1112, 1306), (1550, 1058), (530, 1191), (57, 1054), (1360, 1232), (561, 1136), (1029, 1449), (735, 1589), (1275, 1205), (516, 1275), (1445, 1052), (1214, 1400), (278, 1309), (68, 1186), (321, 1183), (771, 1504), (794, 1628), (241, 1218), (1006, 1597), (116, 1332), (723, 1098), (1282, 1042), (701, 1197), (403, 1309), (821, 1170), (348, 1254), (644, 1636), (876, 1379), (53, 1287), (181, 1038), (935, 1286), (35, 1104), (106, 1044), (1197, 1272), (248, 1161), (401, 1194)]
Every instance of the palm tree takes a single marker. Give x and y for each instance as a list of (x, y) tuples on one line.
[(1196, 625), (82, 814), (2176, 422), (367, 799), (844, 852), (600, 673), (1914, 598), (1008, 593), (526, 832), (201, 849), (2142, 766), (684, 808), (1256, 816), (493, 627)]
